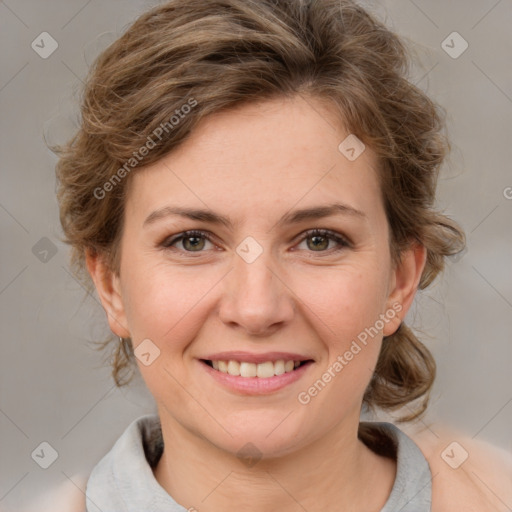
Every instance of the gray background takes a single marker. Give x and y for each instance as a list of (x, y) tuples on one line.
[(55, 388)]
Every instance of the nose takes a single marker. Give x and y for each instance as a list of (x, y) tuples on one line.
[(256, 297)]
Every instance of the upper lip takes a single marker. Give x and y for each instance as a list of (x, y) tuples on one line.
[(250, 357)]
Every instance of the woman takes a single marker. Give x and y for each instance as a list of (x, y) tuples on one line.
[(251, 193)]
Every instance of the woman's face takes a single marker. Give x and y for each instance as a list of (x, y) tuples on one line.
[(261, 289)]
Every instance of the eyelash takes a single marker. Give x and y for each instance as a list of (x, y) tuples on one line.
[(331, 235)]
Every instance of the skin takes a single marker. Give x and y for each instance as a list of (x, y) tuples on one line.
[(254, 164), (463, 489)]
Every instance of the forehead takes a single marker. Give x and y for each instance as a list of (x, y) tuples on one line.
[(257, 158)]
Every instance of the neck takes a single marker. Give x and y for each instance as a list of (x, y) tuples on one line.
[(335, 472)]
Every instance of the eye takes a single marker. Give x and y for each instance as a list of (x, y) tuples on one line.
[(320, 239), (195, 240), (192, 241)]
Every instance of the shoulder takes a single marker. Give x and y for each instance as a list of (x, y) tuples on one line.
[(68, 496), (467, 474), (142, 436)]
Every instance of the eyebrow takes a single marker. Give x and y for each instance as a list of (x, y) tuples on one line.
[(293, 217)]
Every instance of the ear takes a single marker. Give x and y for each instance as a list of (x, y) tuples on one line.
[(107, 286), (404, 281)]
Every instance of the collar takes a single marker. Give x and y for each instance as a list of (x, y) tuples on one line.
[(124, 480)]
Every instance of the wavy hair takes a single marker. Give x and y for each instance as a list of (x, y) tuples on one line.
[(200, 57)]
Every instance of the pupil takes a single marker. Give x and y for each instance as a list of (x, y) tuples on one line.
[(322, 246), (194, 244)]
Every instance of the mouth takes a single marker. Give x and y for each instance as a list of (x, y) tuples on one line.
[(262, 370)]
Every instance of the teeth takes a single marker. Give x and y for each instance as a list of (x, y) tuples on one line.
[(262, 370), (233, 368), (279, 367), (248, 370)]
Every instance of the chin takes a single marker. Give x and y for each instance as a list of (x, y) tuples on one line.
[(264, 434)]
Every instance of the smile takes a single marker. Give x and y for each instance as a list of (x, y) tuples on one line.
[(255, 378), (262, 370)]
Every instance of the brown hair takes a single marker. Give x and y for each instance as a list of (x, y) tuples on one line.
[(186, 59)]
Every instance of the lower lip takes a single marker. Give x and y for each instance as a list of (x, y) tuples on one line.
[(256, 385)]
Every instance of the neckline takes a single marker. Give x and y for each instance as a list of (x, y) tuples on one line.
[(140, 447)]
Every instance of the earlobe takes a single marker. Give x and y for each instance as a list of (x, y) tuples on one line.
[(107, 286), (405, 280)]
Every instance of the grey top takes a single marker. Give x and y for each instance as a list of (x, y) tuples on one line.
[(123, 480)]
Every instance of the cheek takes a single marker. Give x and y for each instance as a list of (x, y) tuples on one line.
[(347, 309), (346, 300), (167, 305), (162, 300)]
